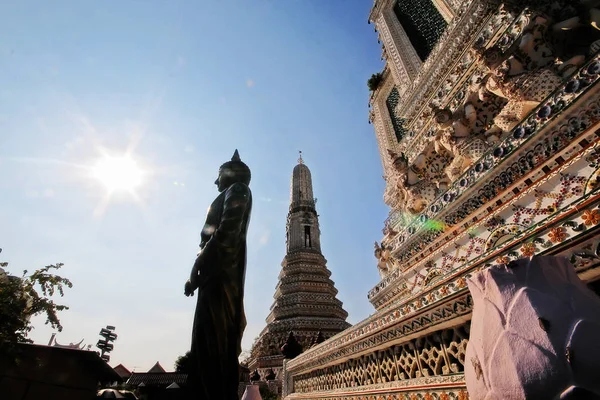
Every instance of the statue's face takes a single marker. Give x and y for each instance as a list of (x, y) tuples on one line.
[(400, 164), (228, 175), (224, 180), (492, 56), (442, 116)]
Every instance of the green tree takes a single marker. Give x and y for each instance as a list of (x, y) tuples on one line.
[(374, 81), (24, 297), (183, 363)]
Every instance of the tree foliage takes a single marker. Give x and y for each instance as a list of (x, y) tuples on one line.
[(374, 81), (183, 364), (26, 296)]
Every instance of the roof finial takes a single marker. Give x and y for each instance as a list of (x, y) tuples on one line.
[(300, 160)]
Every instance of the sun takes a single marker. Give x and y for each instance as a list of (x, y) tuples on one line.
[(118, 173)]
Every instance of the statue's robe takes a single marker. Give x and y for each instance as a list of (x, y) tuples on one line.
[(220, 321)]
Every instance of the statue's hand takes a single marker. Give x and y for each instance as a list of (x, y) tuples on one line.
[(188, 290)]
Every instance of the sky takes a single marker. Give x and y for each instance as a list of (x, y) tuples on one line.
[(177, 86)]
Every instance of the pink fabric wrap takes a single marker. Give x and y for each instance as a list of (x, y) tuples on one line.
[(534, 332)]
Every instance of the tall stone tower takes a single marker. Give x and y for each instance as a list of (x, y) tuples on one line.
[(305, 297)]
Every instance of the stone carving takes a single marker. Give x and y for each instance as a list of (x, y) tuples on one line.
[(468, 132), (391, 197), (255, 376), (571, 12), (385, 262), (388, 233), (533, 332), (270, 375), (443, 60), (457, 138), (291, 348), (318, 339), (436, 354), (411, 187), (218, 273), (527, 74)]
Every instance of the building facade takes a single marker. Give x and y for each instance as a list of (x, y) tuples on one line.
[(487, 117), (305, 302)]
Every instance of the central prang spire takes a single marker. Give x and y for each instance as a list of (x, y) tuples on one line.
[(303, 223), (305, 302)]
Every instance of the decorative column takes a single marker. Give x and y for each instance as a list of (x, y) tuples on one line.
[(402, 58), (384, 130)]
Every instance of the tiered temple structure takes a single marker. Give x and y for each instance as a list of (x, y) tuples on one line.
[(305, 297), (487, 117)]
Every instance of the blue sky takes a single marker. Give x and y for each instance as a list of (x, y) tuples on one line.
[(181, 84)]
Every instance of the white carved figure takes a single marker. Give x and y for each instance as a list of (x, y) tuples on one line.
[(532, 70), (534, 332), (385, 262), (389, 233), (480, 108), (415, 192), (524, 89), (456, 136), (392, 197)]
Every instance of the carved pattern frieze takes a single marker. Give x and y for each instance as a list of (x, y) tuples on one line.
[(439, 353)]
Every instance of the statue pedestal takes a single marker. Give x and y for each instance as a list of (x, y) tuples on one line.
[(251, 393)]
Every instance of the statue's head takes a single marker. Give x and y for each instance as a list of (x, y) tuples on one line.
[(492, 56), (232, 172), (399, 161), (442, 115), (377, 250)]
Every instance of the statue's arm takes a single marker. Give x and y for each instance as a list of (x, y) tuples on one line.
[(228, 235)]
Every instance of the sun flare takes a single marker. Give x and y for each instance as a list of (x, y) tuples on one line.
[(118, 173)]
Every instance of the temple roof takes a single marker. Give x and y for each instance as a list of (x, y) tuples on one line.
[(157, 379), (157, 368), (122, 371)]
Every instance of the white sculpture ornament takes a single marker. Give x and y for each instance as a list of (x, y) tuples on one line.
[(413, 193), (534, 333), (456, 136), (526, 74), (385, 261)]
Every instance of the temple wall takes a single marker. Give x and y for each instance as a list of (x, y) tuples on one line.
[(533, 192)]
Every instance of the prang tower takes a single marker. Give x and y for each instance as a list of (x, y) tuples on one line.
[(305, 296)]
